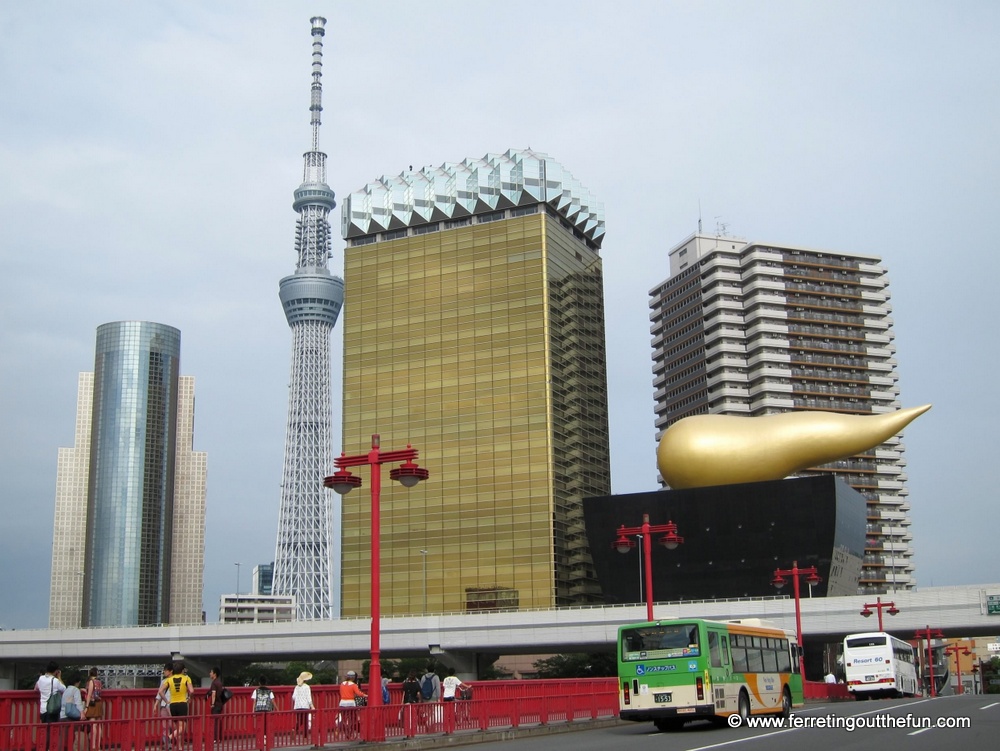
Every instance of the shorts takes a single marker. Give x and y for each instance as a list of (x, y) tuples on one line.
[(179, 709)]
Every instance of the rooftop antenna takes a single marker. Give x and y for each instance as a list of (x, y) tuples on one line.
[(699, 216)]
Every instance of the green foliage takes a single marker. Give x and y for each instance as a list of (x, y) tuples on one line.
[(279, 675), (597, 664)]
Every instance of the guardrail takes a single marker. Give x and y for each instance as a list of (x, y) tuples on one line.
[(131, 722)]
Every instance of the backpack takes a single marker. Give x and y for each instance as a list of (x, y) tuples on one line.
[(265, 700), (427, 686), (226, 695)]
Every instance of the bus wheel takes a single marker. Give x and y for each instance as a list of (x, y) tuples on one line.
[(743, 705), (786, 703), (666, 726)]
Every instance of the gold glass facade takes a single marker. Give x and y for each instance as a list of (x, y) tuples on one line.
[(482, 346)]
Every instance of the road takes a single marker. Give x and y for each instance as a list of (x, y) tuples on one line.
[(981, 713)]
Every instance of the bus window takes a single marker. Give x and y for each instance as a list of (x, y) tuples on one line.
[(739, 659), (725, 649), (755, 660), (714, 650), (770, 660), (784, 657)]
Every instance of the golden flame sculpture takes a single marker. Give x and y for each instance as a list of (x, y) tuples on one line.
[(704, 450)]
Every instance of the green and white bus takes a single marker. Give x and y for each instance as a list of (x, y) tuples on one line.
[(671, 672)]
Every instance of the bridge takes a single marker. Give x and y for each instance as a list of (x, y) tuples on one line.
[(460, 638)]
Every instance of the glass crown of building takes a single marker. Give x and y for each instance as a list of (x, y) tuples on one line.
[(518, 177)]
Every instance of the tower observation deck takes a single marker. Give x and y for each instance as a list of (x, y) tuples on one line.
[(307, 545)]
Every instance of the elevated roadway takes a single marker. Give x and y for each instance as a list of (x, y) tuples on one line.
[(956, 611)]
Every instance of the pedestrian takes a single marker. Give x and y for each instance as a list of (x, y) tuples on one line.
[(411, 689), (450, 685), (95, 706), (71, 711), (349, 691), (351, 697), (50, 690), (181, 690), (302, 703), (48, 687), (216, 700), (163, 704), (262, 700), (430, 685), (262, 697), (430, 691)]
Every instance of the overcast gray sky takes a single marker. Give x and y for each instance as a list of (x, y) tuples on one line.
[(149, 150)]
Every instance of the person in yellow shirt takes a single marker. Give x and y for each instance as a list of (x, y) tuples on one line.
[(180, 690)]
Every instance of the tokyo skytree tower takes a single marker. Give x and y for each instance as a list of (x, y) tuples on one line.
[(307, 545)]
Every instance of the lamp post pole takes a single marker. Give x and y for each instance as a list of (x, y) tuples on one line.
[(343, 482), (779, 581), (956, 649), (238, 579), (928, 634), (670, 541), (890, 607)]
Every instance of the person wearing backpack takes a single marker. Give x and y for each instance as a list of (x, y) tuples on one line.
[(262, 697), (430, 685), (430, 692)]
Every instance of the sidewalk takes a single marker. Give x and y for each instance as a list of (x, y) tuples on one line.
[(470, 737)]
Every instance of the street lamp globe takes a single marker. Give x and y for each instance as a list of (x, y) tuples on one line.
[(408, 474), (342, 482)]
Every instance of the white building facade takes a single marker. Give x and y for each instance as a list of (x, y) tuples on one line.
[(748, 328)]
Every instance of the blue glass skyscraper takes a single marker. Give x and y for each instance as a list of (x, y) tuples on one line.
[(128, 545)]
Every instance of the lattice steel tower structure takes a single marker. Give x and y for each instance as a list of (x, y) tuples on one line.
[(312, 297)]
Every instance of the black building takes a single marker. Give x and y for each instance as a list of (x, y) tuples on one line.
[(735, 536)]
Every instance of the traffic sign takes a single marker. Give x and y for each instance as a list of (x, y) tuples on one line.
[(992, 604)]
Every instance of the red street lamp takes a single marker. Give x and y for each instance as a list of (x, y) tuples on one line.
[(928, 635), (891, 609), (812, 577), (342, 482), (956, 649), (670, 541)]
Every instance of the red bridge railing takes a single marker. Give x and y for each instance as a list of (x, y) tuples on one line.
[(131, 722)]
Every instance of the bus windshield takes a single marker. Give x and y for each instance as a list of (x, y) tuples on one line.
[(660, 642)]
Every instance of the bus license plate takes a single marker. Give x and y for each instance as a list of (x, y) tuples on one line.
[(662, 698), (870, 679)]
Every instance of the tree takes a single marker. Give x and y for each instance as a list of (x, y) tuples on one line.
[(596, 664)]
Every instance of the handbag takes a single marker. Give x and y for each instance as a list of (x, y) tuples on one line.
[(54, 702), (72, 711), (361, 701), (226, 695)]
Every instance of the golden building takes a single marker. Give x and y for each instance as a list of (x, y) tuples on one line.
[(474, 330)]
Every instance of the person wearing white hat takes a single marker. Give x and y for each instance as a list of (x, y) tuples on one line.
[(302, 703)]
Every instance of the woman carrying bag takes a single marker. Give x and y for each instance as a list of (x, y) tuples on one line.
[(95, 706)]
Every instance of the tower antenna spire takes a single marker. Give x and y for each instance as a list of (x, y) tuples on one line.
[(316, 98)]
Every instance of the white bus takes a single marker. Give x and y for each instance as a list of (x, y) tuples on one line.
[(878, 664)]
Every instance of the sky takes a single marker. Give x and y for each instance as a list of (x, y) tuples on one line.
[(149, 151)]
